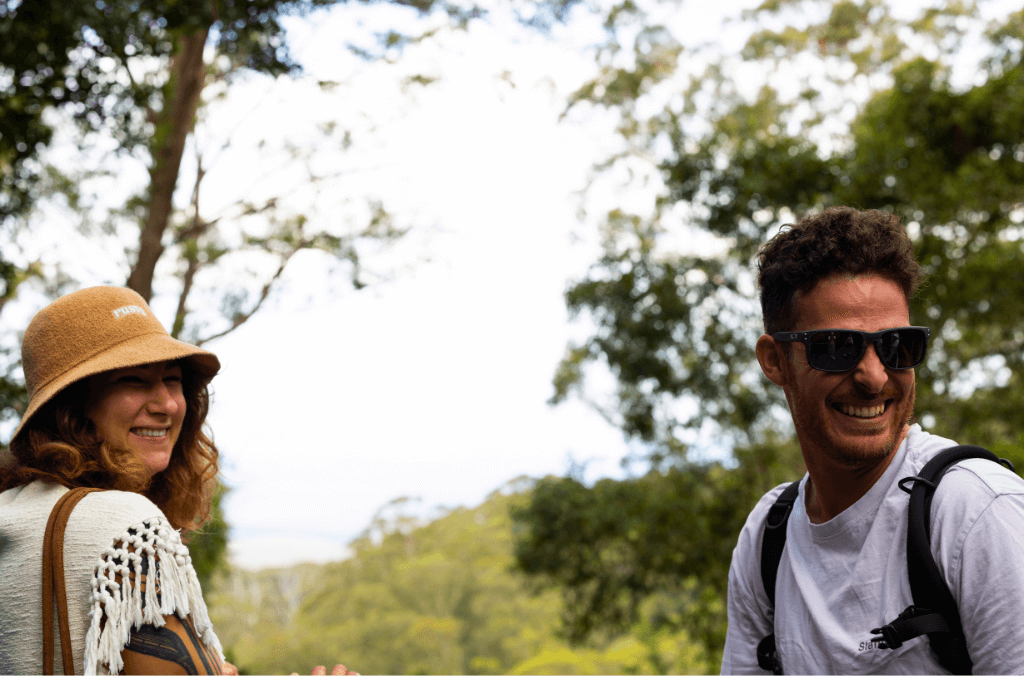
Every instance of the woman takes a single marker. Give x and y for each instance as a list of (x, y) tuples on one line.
[(115, 403)]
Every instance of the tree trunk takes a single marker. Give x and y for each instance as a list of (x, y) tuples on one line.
[(173, 124)]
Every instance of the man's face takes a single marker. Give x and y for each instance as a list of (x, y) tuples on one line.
[(860, 417)]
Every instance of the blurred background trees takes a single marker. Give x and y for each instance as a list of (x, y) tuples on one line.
[(133, 78), (858, 103), (797, 105), (90, 88), (425, 598)]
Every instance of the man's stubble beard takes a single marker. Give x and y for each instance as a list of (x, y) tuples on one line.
[(853, 455)]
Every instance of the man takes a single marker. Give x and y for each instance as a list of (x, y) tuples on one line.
[(844, 567)]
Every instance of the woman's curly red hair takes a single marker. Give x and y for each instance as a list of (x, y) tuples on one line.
[(61, 445)]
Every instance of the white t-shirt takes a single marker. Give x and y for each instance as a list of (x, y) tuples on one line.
[(839, 580)]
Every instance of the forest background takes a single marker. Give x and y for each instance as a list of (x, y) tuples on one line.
[(708, 150)]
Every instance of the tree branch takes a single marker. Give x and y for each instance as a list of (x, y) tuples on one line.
[(188, 238), (242, 318)]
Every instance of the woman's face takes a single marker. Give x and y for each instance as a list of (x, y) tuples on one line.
[(140, 408)]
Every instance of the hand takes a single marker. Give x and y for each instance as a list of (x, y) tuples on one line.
[(229, 669)]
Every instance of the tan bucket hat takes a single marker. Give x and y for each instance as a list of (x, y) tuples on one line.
[(94, 330)]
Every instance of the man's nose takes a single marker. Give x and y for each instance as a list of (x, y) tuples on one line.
[(870, 372)]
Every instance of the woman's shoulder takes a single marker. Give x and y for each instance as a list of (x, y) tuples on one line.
[(102, 509), (118, 505), (106, 516)]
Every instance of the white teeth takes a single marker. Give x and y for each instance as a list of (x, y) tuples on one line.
[(143, 432), (863, 412)]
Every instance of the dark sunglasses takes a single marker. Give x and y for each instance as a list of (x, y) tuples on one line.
[(840, 350)]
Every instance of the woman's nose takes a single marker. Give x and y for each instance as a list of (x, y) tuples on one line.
[(163, 399)]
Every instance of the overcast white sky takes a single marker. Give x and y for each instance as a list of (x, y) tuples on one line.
[(434, 384)]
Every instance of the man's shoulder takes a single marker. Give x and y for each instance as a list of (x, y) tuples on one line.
[(974, 495), (968, 479), (976, 482)]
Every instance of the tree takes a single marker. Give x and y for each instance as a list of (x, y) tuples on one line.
[(611, 547), (136, 73), (208, 545), (677, 327), (414, 597)]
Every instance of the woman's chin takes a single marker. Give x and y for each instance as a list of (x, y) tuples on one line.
[(156, 461)]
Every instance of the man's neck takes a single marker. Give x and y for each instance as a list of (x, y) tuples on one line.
[(832, 489)]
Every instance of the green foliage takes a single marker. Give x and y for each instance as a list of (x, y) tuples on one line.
[(669, 534), (411, 600), (682, 325), (772, 43), (74, 57), (655, 55), (208, 545), (676, 324), (13, 395), (441, 597), (646, 651)]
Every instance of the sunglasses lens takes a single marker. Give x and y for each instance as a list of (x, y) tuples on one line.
[(903, 348), (835, 351)]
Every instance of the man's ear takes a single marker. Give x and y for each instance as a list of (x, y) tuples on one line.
[(771, 357)]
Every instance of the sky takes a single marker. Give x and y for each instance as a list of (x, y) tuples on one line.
[(432, 384)]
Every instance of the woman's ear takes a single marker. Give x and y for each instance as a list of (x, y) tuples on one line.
[(772, 358)]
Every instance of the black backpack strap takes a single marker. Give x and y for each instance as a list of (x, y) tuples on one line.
[(772, 544), (775, 537), (934, 611)]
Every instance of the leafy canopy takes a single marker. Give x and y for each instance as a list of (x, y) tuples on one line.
[(859, 106)]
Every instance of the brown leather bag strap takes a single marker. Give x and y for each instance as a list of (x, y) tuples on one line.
[(53, 580)]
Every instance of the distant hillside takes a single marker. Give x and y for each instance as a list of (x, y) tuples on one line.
[(440, 598)]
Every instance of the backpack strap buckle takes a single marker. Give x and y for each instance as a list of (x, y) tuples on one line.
[(913, 622), (889, 638)]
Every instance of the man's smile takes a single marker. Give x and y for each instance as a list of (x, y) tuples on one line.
[(863, 410)]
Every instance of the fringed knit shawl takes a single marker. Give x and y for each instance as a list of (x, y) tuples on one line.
[(110, 534)]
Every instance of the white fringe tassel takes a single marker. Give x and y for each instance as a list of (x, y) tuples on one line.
[(118, 608)]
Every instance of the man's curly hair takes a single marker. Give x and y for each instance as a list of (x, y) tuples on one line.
[(838, 240)]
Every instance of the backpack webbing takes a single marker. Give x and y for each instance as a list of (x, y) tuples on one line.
[(934, 611), (772, 544)]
